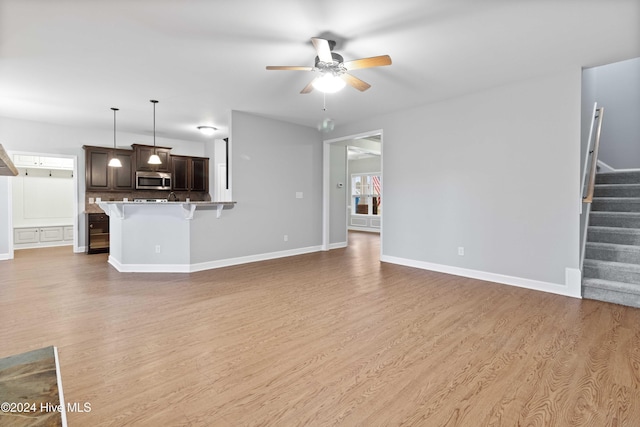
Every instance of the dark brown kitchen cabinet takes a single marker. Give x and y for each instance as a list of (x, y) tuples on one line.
[(101, 177), (97, 233), (190, 173), (143, 152)]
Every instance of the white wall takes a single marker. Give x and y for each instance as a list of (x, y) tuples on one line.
[(271, 161), (495, 172), (28, 136), (42, 200), (5, 217), (616, 87)]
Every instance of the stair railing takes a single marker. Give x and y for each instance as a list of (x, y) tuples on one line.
[(591, 166), (589, 172)]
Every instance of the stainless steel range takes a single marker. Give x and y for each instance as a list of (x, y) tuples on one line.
[(150, 200)]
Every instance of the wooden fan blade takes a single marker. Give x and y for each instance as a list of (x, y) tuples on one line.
[(374, 61), (355, 82), (308, 88), (323, 49), (289, 67)]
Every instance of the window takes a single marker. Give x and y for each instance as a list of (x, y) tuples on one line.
[(365, 194)]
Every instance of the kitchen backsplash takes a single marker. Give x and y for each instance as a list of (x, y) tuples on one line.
[(146, 194)]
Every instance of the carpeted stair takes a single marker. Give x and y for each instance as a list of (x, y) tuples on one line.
[(611, 270)]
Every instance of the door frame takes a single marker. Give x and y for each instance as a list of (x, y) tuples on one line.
[(76, 232), (326, 183)]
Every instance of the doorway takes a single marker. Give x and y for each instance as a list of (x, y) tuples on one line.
[(43, 201), (352, 188)]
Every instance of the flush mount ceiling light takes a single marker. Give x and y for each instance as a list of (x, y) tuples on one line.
[(114, 162), (154, 159), (207, 130)]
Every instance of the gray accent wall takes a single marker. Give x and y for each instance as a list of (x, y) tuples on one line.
[(495, 172), (616, 87), (338, 196), (271, 161)]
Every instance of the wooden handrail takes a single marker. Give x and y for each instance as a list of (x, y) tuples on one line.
[(594, 159)]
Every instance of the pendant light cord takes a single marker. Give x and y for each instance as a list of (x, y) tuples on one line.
[(114, 126), (154, 125)]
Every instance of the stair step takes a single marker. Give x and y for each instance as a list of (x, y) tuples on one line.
[(616, 204), (618, 235), (617, 190), (618, 178), (611, 291), (613, 252), (612, 271), (615, 219)]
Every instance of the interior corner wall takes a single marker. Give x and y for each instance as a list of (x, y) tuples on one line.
[(617, 89), (495, 172), (271, 161)]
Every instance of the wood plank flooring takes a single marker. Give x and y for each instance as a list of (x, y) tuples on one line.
[(323, 339)]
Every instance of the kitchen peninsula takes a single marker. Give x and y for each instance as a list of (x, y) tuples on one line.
[(155, 237)]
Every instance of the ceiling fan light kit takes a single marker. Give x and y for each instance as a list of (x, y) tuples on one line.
[(334, 72), (329, 83), (332, 68)]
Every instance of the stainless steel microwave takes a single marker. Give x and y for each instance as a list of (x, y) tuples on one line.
[(153, 180)]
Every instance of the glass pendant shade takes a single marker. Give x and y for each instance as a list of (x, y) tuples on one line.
[(114, 162), (329, 83), (154, 160)]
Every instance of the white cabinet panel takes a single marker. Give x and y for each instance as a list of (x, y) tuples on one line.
[(34, 237), (21, 160), (25, 161), (68, 233), (51, 234), (25, 235)]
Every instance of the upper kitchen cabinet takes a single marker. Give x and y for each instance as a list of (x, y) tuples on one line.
[(190, 173), (101, 177), (143, 152)]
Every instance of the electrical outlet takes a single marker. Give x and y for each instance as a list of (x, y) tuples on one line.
[(286, 238), (91, 200), (157, 249), (461, 250), (299, 194)]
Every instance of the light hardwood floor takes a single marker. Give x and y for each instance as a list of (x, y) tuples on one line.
[(331, 338)]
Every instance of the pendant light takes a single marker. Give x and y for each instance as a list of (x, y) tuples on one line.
[(114, 162), (154, 159)]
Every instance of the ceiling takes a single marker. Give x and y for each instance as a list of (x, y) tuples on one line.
[(68, 61)]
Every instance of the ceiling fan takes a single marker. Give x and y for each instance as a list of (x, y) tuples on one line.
[(333, 69)]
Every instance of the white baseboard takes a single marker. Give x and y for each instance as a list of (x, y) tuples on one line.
[(367, 229), (208, 265), (253, 258), (19, 246), (338, 245), (570, 289), (148, 268), (5, 257)]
